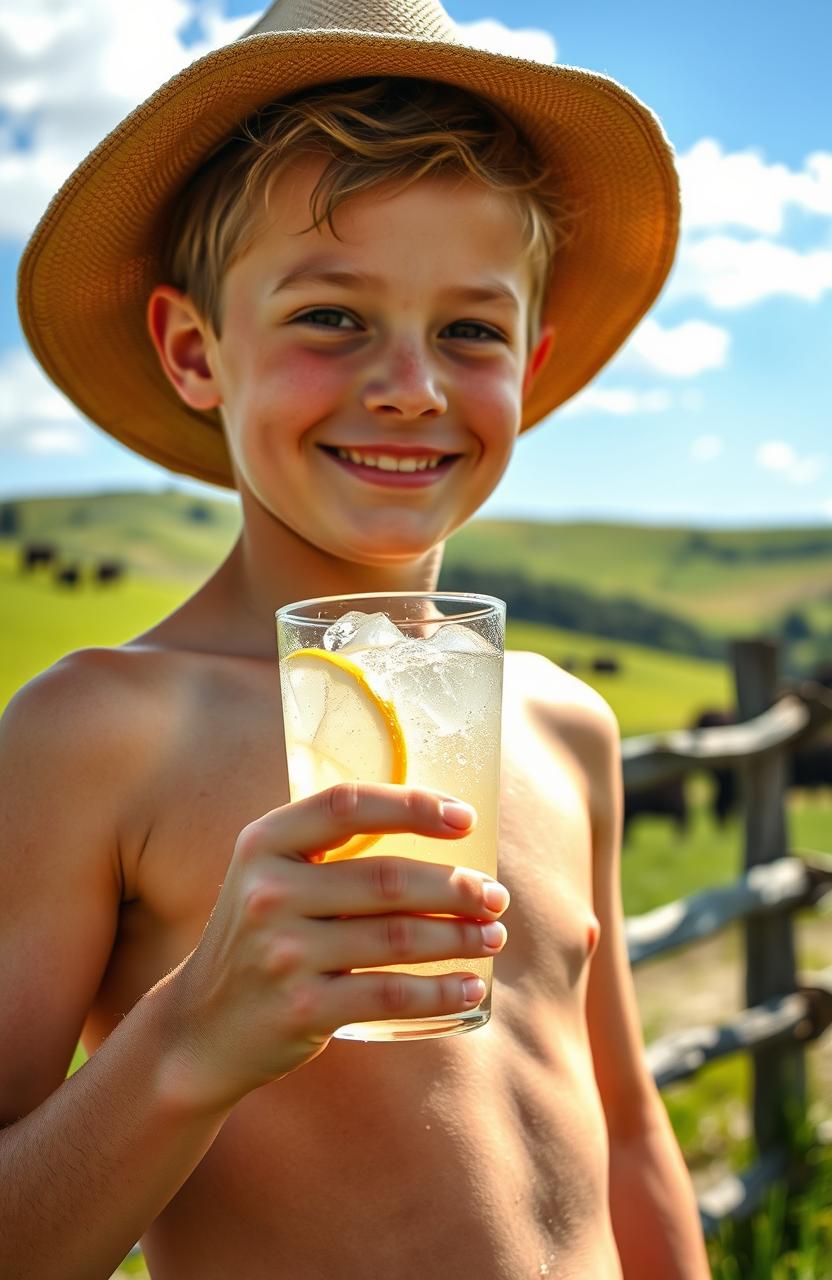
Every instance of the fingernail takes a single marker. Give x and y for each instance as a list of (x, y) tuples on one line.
[(473, 989), (495, 896), (494, 934), (456, 814)]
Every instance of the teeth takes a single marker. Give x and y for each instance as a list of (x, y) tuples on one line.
[(385, 461)]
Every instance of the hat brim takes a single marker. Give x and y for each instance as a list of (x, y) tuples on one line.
[(91, 264)]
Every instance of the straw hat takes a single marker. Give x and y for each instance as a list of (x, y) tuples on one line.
[(92, 261)]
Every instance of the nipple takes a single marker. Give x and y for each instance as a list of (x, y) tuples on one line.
[(593, 935)]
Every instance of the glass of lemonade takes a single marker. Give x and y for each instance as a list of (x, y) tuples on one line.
[(401, 689)]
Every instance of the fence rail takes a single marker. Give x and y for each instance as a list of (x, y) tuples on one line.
[(784, 1011)]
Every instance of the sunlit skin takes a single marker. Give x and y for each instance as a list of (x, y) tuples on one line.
[(337, 339)]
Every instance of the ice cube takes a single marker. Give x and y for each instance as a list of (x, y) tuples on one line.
[(342, 631), (369, 631), (452, 638)]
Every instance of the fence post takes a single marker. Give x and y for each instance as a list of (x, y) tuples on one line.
[(779, 1093)]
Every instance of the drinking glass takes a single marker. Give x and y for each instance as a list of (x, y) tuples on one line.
[(401, 688)]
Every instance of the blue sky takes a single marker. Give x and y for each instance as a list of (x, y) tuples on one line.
[(718, 410)]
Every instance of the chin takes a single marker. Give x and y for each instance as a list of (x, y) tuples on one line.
[(376, 557)]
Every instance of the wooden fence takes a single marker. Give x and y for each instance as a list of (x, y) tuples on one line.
[(784, 1009)]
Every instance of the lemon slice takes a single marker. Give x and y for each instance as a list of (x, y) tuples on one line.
[(338, 729)]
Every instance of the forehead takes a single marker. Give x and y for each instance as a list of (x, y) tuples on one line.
[(448, 221)]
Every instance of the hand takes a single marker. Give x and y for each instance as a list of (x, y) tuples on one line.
[(270, 980)]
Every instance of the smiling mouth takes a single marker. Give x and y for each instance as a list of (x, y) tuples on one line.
[(402, 462)]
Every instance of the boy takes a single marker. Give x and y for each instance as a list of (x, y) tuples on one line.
[(356, 286)]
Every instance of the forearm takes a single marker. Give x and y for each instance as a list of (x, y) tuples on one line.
[(85, 1173), (654, 1212)]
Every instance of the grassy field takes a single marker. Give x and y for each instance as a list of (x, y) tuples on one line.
[(724, 580)]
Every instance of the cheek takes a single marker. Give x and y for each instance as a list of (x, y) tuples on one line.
[(278, 401), (495, 406)]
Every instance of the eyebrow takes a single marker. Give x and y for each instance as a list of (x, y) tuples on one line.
[(322, 274), (313, 273)]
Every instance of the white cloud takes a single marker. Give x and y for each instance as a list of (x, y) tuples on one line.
[(525, 42), (734, 251), (730, 273), (69, 72), (681, 351), (740, 189), (706, 448), (780, 457), (620, 401), (34, 417)]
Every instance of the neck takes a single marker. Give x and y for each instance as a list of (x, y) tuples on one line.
[(270, 566)]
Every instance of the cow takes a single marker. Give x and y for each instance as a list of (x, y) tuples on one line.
[(68, 575), (665, 799), (35, 554), (108, 571), (726, 795), (809, 765), (606, 666)]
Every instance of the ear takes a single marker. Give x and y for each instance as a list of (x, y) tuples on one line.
[(178, 333), (538, 357)]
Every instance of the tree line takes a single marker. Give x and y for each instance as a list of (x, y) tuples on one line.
[(573, 609)]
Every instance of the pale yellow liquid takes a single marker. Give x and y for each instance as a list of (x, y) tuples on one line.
[(449, 708)]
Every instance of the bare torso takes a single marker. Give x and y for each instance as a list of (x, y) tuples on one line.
[(480, 1155)]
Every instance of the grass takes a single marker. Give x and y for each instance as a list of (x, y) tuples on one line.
[(790, 1237)]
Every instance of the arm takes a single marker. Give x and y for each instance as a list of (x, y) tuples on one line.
[(86, 1164), (654, 1213)]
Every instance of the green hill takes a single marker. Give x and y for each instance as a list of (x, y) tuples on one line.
[(685, 589), (721, 579)]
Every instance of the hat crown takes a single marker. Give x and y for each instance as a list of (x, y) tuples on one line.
[(424, 19)]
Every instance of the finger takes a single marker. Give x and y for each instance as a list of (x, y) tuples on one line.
[(378, 997), (330, 818), (386, 886), (340, 945)]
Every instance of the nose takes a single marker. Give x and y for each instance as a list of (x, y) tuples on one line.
[(407, 387)]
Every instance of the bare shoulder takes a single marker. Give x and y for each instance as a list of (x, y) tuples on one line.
[(575, 719), (76, 737), (78, 706)]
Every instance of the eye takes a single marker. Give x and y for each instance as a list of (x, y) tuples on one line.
[(473, 331), (327, 318)]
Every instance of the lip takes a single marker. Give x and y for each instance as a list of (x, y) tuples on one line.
[(394, 479)]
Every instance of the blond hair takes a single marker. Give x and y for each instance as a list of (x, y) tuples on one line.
[(373, 132)]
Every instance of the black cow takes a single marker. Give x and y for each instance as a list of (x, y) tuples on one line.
[(726, 794), (665, 799), (606, 666), (810, 766), (34, 554), (69, 575), (108, 571)]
